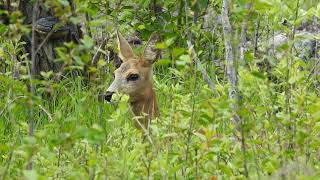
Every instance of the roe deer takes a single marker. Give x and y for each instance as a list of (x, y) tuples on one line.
[(134, 78)]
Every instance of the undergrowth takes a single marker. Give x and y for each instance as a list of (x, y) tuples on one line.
[(78, 137)]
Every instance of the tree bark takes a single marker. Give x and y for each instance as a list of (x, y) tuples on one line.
[(45, 53), (230, 60), (233, 79), (243, 35), (4, 19)]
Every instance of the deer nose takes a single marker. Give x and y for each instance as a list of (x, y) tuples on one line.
[(108, 96)]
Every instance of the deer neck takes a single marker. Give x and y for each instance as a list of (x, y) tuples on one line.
[(145, 102)]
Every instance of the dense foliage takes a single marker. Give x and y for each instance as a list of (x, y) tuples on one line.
[(73, 135)]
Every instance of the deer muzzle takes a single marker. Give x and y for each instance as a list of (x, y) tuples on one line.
[(108, 96)]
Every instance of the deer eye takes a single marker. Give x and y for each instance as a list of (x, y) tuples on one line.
[(133, 77)]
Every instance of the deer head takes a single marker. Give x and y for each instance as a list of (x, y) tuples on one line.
[(134, 77)]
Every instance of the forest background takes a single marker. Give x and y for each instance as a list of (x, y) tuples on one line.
[(237, 84)]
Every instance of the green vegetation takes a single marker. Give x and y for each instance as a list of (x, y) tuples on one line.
[(75, 136)]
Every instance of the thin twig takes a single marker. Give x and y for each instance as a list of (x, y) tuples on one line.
[(144, 129), (189, 35), (256, 36), (47, 112), (316, 54), (204, 73), (44, 41), (10, 102), (288, 85), (4, 175), (31, 74), (96, 56)]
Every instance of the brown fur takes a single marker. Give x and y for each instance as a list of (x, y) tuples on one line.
[(142, 97)]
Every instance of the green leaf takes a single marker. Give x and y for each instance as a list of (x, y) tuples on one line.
[(258, 75), (262, 5), (30, 174), (163, 62), (202, 4), (170, 41), (46, 75), (174, 169), (178, 51), (64, 2), (185, 58), (161, 45), (97, 22), (87, 42), (141, 26)]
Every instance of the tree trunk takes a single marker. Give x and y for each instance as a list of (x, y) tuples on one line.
[(230, 60), (45, 45), (243, 36), (233, 79)]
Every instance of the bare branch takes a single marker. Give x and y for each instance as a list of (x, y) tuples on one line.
[(204, 73), (243, 35), (97, 55), (47, 112)]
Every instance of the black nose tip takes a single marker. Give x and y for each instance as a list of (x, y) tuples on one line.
[(108, 96)]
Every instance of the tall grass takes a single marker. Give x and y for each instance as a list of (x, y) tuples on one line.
[(74, 140)]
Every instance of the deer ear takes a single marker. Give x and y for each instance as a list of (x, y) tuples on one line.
[(125, 50), (150, 53)]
